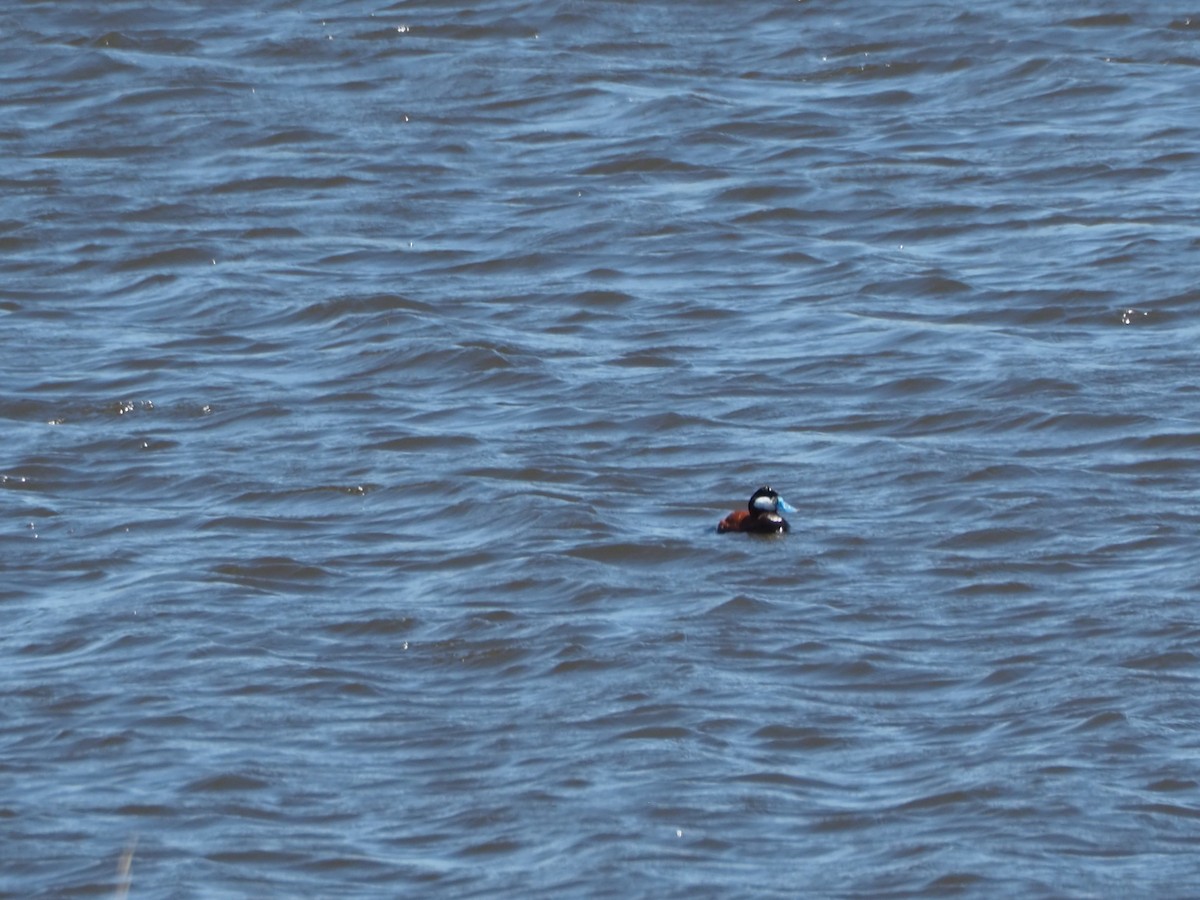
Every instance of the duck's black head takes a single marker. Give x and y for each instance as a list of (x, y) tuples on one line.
[(764, 500), (767, 500)]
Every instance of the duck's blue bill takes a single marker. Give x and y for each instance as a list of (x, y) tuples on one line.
[(784, 506)]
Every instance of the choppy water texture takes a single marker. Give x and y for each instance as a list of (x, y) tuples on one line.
[(374, 378)]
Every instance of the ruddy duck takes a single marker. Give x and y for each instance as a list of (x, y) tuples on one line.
[(761, 515)]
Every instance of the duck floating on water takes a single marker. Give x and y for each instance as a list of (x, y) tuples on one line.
[(761, 515)]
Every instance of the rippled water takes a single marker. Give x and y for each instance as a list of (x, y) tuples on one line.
[(374, 378)]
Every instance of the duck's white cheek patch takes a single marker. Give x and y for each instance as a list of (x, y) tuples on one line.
[(766, 504)]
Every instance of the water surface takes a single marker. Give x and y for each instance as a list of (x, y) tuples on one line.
[(375, 376)]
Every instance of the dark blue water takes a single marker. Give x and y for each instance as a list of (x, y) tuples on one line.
[(374, 377)]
